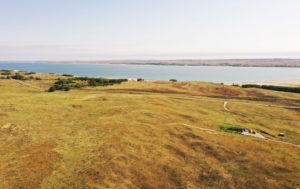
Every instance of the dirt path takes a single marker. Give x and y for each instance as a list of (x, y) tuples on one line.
[(282, 142), (195, 127), (212, 131), (29, 85), (267, 105), (189, 96), (256, 134), (238, 102), (225, 106)]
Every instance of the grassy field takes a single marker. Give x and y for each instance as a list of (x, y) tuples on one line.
[(146, 135)]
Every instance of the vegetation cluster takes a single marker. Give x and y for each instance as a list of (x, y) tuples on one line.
[(78, 82), (17, 75), (274, 88), (231, 128)]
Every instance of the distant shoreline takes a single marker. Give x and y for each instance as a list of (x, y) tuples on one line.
[(287, 83), (268, 62)]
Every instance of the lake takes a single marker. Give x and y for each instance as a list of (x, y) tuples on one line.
[(153, 72)]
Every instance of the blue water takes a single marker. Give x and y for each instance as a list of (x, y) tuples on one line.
[(152, 72)]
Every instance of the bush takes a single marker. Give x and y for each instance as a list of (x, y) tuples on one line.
[(251, 86), (66, 88), (173, 80), (18, 77), (100, 81), (6, 72), (140, 79), (64, 85), (52, 89), (67, 75), (29, 73), (67, 84)]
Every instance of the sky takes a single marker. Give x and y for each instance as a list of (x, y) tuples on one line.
[(148, 29)]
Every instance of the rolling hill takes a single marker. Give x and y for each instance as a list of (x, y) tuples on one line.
[(147, 135)]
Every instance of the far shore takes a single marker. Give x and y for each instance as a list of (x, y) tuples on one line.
[(267, 62)]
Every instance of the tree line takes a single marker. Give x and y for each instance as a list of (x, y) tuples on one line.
[(78, 82), (273, 87)]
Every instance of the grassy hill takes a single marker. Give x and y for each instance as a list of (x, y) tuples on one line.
[(147, 135)]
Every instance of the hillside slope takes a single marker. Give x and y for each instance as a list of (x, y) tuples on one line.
[(146, 135)]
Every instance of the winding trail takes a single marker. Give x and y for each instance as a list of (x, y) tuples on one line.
[(187, 96), (29, 85), (258, 135), (212, 131), (225, 106)]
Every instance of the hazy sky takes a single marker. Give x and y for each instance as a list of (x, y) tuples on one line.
[(109, 29)]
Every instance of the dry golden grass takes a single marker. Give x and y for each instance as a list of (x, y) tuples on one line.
[(145, 135)]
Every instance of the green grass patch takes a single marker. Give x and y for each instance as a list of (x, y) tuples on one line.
[(227, 127)]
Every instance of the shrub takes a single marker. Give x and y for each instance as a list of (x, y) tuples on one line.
[(67, 84), (173, 80), (6, 72), (140, 79), (18, 77), (64, 85), (251, 86), (29, 73), (66, 88), (52, 89), (67, 75), (100, 81)]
